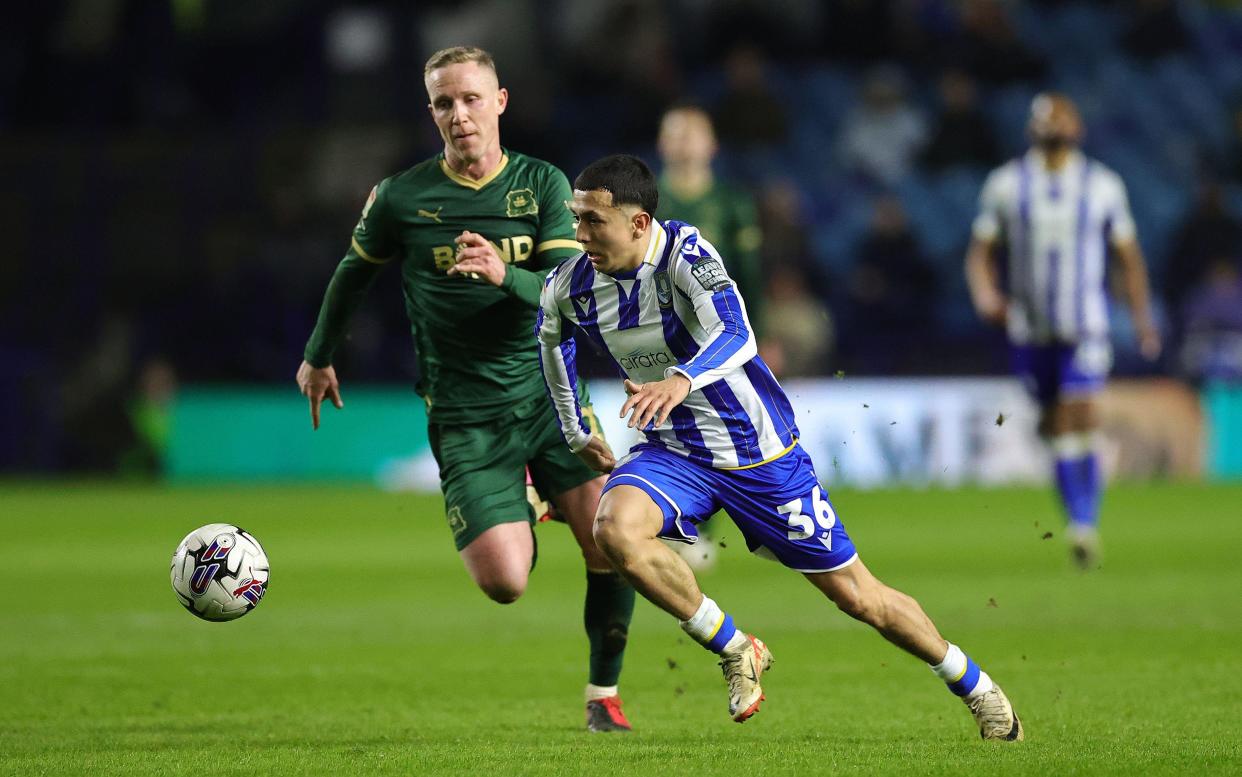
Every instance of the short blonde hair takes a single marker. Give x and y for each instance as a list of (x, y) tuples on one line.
[(457, 55)]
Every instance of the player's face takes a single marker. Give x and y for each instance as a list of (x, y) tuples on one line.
[(1055, 122), (687, 138), (466, 103), (612, 236)]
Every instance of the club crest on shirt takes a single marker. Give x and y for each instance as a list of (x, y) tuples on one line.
[(710, 275), (519, 202), (664, 289), (455, 521)]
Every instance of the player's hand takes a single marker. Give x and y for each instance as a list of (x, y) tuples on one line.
[(315, 383), (597, 455), (654, 401), (477, 258), (993, 308), (1149, 341)]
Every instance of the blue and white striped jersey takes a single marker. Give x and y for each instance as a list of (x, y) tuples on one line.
[(678, 312), (1055, 224)]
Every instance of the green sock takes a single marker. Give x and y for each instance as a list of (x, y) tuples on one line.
[(606, 615)]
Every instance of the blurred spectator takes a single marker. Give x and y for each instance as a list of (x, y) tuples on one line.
[(1155, 30), (749, 115), (989, 48), (690, 192), (882, 134), (1212, 321), (783, 223), (962, 135), (892, 288), (627, 89), (801, 332), (1208, 231)]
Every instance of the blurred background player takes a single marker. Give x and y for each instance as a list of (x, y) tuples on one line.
[(720, 434), (1057, 213), (475, 230), (691, 192)]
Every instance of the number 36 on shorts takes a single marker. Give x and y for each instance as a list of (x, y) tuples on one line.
[(809, 516)]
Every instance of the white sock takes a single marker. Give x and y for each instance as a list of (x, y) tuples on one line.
[(704, 620), (984, 685), (1071, 446), (953, 665), (738, 641), (595, 692), (711, 627)]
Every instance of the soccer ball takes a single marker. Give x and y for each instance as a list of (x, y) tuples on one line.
[(219, 572)]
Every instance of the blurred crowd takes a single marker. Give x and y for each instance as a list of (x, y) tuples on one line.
[(180, 178)]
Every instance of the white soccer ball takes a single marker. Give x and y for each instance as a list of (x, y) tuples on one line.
[(219, 572)]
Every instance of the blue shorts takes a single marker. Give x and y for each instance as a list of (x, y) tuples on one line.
[(1059, 370), (778, 506)]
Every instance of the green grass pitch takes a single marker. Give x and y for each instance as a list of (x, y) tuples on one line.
[(373, 653)]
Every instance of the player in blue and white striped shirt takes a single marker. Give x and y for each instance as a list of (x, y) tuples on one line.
[(1058, 213), (720, 434)]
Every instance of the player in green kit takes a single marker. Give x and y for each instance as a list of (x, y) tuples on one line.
[(690, 192), (475, 230)]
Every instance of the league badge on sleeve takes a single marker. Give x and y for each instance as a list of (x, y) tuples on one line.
[(710, 275)]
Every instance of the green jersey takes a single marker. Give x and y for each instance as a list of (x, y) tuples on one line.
[(727, 218), (475, 341)]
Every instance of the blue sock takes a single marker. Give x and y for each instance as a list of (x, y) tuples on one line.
[(1078, 478), (1091, 489)]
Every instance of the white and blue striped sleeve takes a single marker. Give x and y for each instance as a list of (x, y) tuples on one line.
[(699, 272), (558, 359)]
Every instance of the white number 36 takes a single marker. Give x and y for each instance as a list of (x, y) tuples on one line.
[(820, 521)]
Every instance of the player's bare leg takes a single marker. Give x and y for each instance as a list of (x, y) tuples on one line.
[(626, 529), (1071, 424), (902, 621), (577, 506), (607, 612), (499, 560), (897, 617)]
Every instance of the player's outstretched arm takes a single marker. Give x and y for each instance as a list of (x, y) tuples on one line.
[(1138, 297), (349, 285), (315, 383), (983, 279)]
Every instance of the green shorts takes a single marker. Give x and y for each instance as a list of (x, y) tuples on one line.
[(483, 466)]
